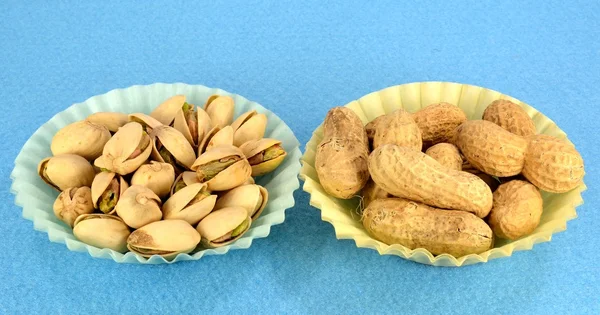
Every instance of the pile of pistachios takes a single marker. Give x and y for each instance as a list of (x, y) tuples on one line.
[(162, 184)]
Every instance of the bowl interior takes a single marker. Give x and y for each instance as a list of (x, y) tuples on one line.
[(37, 198), (344, 215)]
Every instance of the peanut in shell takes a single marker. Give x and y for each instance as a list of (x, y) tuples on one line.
[(398, 128), (446, 154), (517, 209), (510, 116), (438, 122)]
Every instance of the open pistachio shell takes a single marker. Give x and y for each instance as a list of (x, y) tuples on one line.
[(222, 168), (222, 137), (190, 204), (176, 145), (129, 148), (73, 202), (220, 110), (148, 122), (255, 152), (204, 123), (207, 137), (157, 176), (165, 112), (139, 206), (112, 121), (102, 231), (83, 138), (187, 127), (164, 238), (253, 198), (65, 171), (107, 189), (183, 180), (249, 126), (224, 226)]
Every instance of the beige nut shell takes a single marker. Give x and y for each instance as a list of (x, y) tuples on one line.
[(115, 156), (553, 165), (111, 120), (139, 206), (66, 170), (371, 192), (491, 149), (187, 177), (413, 175), (145, 120), (166, 111), (249, 126), (175, 143), (176, 207), (446, 154), (157, 176), (101, 182), (171, 237), (246, 196), (438, 122), (221, 222), (517, 210), (231, 177), (102, 231), (399, 128), (510, 116), (206, 139), (220, 110), (415, 225), (254, 147), (67, 208), (82, 138), (223, 137)]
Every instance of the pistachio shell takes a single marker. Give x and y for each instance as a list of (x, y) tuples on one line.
[(65, 171), (253, 198), (116, 153), (220, 110), (187, 177), (165, 112), (181, 125), (165, 238), (252, 148), (207, 137), (221, 222), (83, 138), (159, 177), (101, 183), (204, 124), (102, 231), (73, 202), (175, 143), (249, 181), (223, 137), (232, 176), (139, 206), (248, 127), (112, 121), (177, 207), (147, 122)]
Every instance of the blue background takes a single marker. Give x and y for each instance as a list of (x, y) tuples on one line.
[(299, 59)]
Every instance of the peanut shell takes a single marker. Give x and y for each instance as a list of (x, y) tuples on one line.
[(517, 209), (438, 122), (510, 116)]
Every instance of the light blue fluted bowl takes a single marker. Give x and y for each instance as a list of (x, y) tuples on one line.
[(36, 198)]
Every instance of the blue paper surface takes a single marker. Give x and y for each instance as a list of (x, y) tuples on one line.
[(299, 59)]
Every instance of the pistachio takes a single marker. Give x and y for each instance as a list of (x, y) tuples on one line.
[(82, 138), (166, 112), (207, 137), (191, 204), (220, 110), (159, 177), (249, 181), (264, 155), (249, 126), (183, 180), (224, 226), (222, 168), (170, 146), (148, 122), (112, 121), (102, 231), (139, 206), (73, 202), (166, 238), (223, 137), (253, 198), (107, 188), (65, 171), (126, 150)]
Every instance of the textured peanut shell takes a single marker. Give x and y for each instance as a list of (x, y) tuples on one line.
[(491, 149), (341, 157), (438, 122), (446, 154), (553, 165), (510, 116), (415, 225), (413, 175), (371, 192), (398, 128), (517, 209)]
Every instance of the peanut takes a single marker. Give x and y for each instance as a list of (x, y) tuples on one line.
[(491, 149), (373, 192), (446, 154), (413, 175), (342, 156), (517, 209), (415, 225), (510, 116), (372, 126), (399, 128), (438, 122), (553, 165), (490, 180)]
